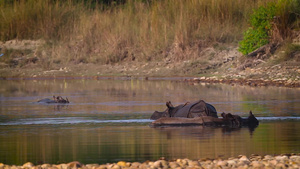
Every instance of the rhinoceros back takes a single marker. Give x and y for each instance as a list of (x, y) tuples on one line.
[(211, 110), (46, 100), (196, 109)]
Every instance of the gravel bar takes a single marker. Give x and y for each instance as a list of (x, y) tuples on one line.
[(241, 162)]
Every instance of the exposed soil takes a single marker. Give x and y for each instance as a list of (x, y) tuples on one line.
[(217, 64)]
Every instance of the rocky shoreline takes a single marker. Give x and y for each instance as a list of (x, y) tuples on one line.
[(242, 162), (249, 82), (190, 80)]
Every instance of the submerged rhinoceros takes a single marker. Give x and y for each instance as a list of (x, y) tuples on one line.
[(57, 99), (236, 120), (227, 120), (187, 110)]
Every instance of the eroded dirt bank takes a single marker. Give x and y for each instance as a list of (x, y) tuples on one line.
[(219, 63)]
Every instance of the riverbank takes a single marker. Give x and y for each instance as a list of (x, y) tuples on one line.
[(143, 39), (253, 161), (286, 76), (218, 63)]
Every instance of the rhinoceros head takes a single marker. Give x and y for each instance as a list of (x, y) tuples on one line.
[(167, 113), (252, 119), (156, 115)]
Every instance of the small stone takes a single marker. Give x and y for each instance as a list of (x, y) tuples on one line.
[(74, 164), (14, 167), (194, 163), (144, 165), (92, 166), (45, 166), (244, 158), (222, 163), (121, 163), (159, 163), (256, 164), (185, 162), (268, 157), (28, 165), (178, 168), (281, 158), (268, 167), (116, 167), (128, 164), (135, 164), (231, 163), (102, 167), (295, 158), (164, 163), (62, 166), (36, 167), (196, 80), (243, 167), (280, 165), (174, 165), (273, 162)]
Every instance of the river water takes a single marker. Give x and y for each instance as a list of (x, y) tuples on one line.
[(108, 121)]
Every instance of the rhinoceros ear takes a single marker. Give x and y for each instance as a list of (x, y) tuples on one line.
[(250, 113), (169, 104)]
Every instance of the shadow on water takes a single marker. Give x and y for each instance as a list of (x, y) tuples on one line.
[(107, 121), (201, 132)]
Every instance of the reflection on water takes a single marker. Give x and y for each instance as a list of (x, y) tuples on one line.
[(107, 121)]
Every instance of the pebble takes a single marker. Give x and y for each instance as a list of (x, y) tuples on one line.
[(122, 163), (240, 162), (74, 164), (28, 165)]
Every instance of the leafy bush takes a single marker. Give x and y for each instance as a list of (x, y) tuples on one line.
[(258, 34)]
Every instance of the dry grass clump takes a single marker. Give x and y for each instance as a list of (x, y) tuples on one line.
[(34, 19), (135, 30)]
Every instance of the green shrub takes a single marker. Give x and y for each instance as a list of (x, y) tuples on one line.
[(258, 34)]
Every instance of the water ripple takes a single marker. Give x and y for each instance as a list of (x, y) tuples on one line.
[(277, 118), (70, 120), (83, 120)]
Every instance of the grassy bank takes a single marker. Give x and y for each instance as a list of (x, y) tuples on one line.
[(82, 32)]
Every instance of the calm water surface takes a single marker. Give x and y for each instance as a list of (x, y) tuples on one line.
[(107, 121)]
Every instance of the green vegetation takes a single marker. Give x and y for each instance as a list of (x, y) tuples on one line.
[(272, 23), (258, 35), (90, 31)]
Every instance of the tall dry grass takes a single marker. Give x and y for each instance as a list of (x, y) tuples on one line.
[(34, 19), (136, 30)]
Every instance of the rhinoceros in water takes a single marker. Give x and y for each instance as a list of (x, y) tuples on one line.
[(236, 120), (57, 99), (187, 110), (227, 120)]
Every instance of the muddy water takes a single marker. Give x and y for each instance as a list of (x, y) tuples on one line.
[(107, 121)]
